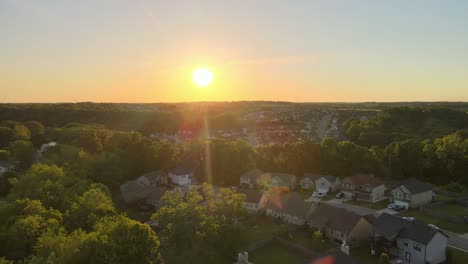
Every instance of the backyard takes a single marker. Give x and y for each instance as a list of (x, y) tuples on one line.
[(453, 209), (375, 206), (276, 253), (305, 239)]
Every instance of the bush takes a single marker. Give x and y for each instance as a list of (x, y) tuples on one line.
[(455, 187), (384, 259)]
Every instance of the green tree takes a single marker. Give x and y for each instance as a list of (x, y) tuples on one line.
[(23, 153)]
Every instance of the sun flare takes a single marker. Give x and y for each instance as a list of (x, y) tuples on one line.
[(202, 77)]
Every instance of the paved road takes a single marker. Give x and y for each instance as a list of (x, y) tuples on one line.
[(354, 208), (457, 241)]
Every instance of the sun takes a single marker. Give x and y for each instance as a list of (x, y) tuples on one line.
[(202, 77)]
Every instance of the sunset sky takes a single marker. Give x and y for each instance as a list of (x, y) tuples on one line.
[(146, 51)]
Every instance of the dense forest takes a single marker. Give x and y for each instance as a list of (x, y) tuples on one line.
[(59, 203)]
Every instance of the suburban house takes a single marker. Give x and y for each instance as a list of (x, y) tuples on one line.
[(409, 239), (257, 179), (133, 191), (306, 183), (243, 258), (154, 178), (249, 179), (327, 184), (252, 201), (274, 179), (412, 193), (363, 187), (286, 206), (154, 197), (181, 176), (341, 224), (5, 166)]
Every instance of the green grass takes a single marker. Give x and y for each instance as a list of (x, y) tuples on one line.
[(304, 239), (262, 230), (443, 198), (445, 225), (190, 258), (453, 209), (276, 253), (375, 206), (458, 256), (362, 255)]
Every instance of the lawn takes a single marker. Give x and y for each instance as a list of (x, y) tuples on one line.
[(362, 255), (304, 239), (276, 253), (453, 209), (458, 256), (456, 228), (263, 229), (190, 258), (375, 206)]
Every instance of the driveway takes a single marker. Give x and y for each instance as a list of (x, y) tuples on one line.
[(386, 210), (353, 208)]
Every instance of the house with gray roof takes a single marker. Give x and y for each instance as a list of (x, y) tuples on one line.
[(409, 239), (275, 179), (133, 191), (250, 179), (308, 181), (412, 193), (327, 184), (154, 197), (252, 201), (341, 224), (364, 187), (154, 178), (286, 206)]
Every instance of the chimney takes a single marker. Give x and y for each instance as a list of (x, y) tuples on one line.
[(243, 257), (345, 248)]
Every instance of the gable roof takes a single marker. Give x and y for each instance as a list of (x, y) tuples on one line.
[(285, 178), (156, 194), (414, 186), (290, 203), (416, 230), (252, 174), (312, 176), (330, 178), (252, 196), (133, 191), (335, 218), (364, 179), (181, 170)]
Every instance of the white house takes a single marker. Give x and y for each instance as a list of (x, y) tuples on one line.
[(181, 176), (412, 193), (327, 184), (410, 240), (249, 179), (274, 179), (306, 183)]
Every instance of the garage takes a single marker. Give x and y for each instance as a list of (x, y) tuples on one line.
[(402, 203)]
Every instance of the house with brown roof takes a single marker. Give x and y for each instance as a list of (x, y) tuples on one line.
[(363, 187), (341, 224), (287, 206)]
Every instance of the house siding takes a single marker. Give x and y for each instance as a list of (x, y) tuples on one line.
[(378, 193), (402, 196), (421, 199), (407, 245), (285, 217), (436, 249)]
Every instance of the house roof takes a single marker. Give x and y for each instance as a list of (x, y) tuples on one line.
[(335, 258), (312, 176), (364, 179), (291, 203), (415, 186), (252, 174), (416, 230), (335, 218), (154, 175), (133, 191), (156, 194), (252, 196), (285, 178), (330, 178), (181, 170)]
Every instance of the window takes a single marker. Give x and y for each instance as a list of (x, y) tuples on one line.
[(417, 247), (407, 196)]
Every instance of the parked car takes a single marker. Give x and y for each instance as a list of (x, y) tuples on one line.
[(391, 206), (399, 208), (320, 194), (340, 195)]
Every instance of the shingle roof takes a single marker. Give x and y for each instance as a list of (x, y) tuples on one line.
[(285, 178), (252, 196), (312, 176), (181, 170), (252, 174), (415, 186), (291, 203), (133, 191), (154, 175), (334, 217), (416, 230), (330, 178), (364, 179)]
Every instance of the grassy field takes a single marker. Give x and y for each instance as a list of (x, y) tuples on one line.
[(275, 253), (263, 229), (458, 256), (456, 228), (375, 206), (304, 239), (362, 255), (453, 209)]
